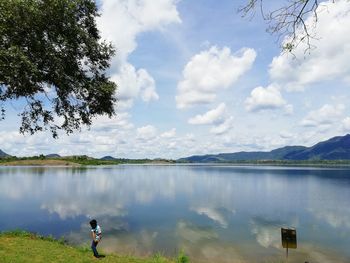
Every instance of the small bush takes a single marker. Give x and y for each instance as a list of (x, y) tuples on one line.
[(182, 258)]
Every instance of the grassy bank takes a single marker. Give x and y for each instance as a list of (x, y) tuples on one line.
[(39, 163), (21, 246)]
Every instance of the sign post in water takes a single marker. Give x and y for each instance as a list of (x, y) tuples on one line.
[(289, 239)]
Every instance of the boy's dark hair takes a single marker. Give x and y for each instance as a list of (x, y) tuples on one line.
[(93, 223)]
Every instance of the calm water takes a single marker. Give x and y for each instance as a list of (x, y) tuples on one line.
[(213, 213)]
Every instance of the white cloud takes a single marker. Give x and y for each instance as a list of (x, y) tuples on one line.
[(328, 61), (268, 98), (211, 117), (120, 22), (219, 119), (223, 127), (146, 133), (324, 116), (286, 135), (121, 121), (132, 83), (346, 124), (117, 137), (209, 71), (169, 134)]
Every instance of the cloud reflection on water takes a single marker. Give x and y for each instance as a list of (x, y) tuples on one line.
[(328, 207), (212, 212)]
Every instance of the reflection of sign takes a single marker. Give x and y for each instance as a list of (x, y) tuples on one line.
[(289, 238)]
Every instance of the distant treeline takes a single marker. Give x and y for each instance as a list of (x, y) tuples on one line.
[(85, 160), (278, 162)]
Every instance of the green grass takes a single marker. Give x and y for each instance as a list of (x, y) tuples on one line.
[(20, 246)]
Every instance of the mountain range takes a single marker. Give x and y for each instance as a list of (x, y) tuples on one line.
[(53, 155), (336, 148), (3, 154), (108, 158)]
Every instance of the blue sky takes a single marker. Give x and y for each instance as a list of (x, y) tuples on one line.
[(195, 77)]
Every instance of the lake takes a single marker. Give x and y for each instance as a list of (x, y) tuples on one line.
[(214, 213)]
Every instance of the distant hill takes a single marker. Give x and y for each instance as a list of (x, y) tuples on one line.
[(3, 154), (108, 158), (53, 155), (337, 148)]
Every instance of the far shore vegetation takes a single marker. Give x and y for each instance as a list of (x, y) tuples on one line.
[(73, 161), (83, 160), (21, 246)]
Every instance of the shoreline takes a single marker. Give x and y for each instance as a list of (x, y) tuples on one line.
[(23, 246), (43, 163), (96, 162)]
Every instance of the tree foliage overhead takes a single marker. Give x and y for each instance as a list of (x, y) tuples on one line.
[(52, 56), (288, 22)]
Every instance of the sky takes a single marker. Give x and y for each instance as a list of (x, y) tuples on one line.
[(194, 77)]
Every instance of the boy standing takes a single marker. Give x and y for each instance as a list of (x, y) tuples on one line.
[(96, 235)]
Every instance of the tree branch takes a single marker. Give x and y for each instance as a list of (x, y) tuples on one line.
[(288, 22)]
